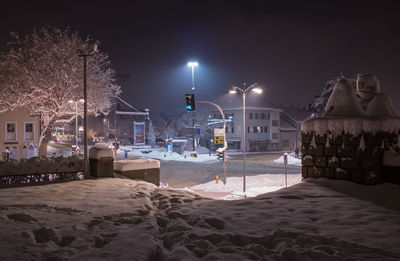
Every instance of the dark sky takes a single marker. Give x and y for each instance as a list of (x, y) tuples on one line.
[(290, 47)]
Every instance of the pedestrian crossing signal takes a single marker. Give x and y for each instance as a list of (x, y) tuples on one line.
[(190, 102)]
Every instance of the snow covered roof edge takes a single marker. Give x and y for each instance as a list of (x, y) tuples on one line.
[(354, 125)]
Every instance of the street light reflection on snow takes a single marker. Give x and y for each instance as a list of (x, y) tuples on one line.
[(231, 91)]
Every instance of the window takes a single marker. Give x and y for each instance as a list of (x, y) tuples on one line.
[(268, 116), (285, 143), (248, 129), (233, 129), (255, 129), (29, 131), (230, 129), (263, 116), (11, 131), (275, 123), (250, 115), (275, 136), (256, 115), (265, 129), (261, 129)]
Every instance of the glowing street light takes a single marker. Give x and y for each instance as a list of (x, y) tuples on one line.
[(244, 91), (192, 64)]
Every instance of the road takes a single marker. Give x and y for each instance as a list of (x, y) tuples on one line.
[(180, 174)]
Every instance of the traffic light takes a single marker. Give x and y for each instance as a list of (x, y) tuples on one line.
[(221, 154), (190, 103)]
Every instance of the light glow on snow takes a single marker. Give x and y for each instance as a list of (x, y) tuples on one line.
[(255, 185)]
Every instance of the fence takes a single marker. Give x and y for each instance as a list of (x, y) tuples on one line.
[(18, 180)]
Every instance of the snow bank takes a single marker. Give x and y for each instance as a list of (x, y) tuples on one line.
[(381, 106), (344, 112), (290, 160), (122, 219), (343, 102), (354, 126)]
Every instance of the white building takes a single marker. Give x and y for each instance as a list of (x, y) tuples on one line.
[(262, 123), (268, 127)]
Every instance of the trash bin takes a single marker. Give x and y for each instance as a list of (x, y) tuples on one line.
[(101, 161)]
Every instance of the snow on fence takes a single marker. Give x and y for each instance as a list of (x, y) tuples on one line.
[(35, 171), (17, 180)]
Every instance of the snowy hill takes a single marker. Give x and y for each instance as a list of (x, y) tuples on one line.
[(122, 219)]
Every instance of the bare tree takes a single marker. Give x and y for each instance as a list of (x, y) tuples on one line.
[(42, 71)]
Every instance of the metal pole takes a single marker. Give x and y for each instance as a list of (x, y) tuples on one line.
[(193, 78), (244, 140), (194, 146), (225, 143), (285, 176), (85, 117), (76, 124)]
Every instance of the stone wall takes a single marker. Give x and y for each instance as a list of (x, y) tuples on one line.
[(344, 156)]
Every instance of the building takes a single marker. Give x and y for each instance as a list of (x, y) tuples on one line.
[(268, 127), (131, 124), (20, 134), (262, 123), (291, 119)]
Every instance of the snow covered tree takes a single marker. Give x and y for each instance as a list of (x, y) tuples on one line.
[(152, 137), (318, 104), (42, 71)]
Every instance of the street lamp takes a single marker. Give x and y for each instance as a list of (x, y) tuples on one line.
[(244, 91), (85, 53), (192, 65), (76, 118)]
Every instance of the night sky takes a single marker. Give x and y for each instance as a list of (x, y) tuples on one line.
[(290, 48)]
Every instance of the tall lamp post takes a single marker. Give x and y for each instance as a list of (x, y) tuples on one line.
[(76, 118), (193, 64), (244, 91), (85, 53)]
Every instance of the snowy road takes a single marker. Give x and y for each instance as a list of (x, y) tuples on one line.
[(180, 174)]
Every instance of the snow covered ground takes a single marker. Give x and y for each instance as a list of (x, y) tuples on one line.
[(255, 185), (122, 219), (291, 160)]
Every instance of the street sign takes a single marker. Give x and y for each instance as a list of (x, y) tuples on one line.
[(219, 132), (219, 140), (219, 136)]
